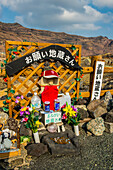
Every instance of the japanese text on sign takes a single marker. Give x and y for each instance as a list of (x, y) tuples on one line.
[(54, 117), (97, 80), (52, 53)]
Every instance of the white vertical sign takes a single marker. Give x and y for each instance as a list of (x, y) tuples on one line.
[(97, 83)]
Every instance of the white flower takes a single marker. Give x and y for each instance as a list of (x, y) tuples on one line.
[(30, 109)]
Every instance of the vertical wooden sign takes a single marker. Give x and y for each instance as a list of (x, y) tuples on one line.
[(97, 81)]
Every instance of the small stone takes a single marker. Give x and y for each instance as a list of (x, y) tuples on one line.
[(109, 117), (96, 126), (36, 149), (108, 127), (108, 96), (3, 117)]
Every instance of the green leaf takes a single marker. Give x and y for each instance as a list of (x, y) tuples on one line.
[(36, 118), (4, 102), (5, 109), (15, 50), (27, 125), (5, 61), (9, 49), (77, 53), (8, 97), (1, 70), (12, 91), (12, 56), (69, 122), (2, 65), (77, 79)]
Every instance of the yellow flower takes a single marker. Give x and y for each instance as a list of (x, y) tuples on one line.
[(37, 123), (24, 109), (72, 113), (68, 110)]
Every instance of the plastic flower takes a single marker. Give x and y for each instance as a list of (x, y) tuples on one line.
[(30, 109), (37, 123), (64, 116), (21, 113), (23, 108), (17, 97), (25, 119), (71, 115), (75, 109), (63, 106), (16, 101), (68, 110), (28, 113), (22, 97)]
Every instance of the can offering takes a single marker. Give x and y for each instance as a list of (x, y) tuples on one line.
[(57, 104), (47, 106)]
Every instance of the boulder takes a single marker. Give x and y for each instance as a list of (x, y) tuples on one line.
[(109, 117), (110, 105), (97, 108), (96, 126), (36, 149), (83, 113)]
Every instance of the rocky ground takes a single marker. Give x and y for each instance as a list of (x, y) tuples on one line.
[(96, 153)]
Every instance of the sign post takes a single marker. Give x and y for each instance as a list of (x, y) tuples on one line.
[(97, 81)]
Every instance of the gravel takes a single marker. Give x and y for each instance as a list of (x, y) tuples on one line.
[(96, 154)]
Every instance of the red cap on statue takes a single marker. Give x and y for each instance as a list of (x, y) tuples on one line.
[(49, 74)]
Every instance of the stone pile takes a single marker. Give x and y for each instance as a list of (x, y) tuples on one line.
[(101, 111)]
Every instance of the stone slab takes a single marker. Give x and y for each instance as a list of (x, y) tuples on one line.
[(62, 149)]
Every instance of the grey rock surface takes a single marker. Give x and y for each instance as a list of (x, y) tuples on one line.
[(97, 108), (36, 149), (109, 117), (96, 126)]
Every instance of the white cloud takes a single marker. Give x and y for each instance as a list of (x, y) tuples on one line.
[(90, 27), (19, 19), (103, 3), (57, 15)]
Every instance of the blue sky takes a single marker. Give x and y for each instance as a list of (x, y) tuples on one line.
[(89, 18)]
